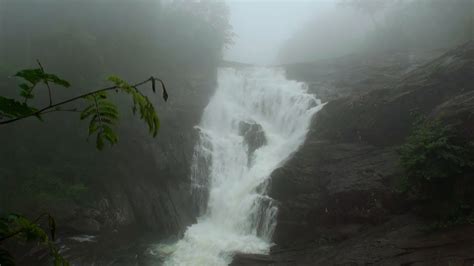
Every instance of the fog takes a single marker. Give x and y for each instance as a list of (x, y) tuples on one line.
[(275, 32), (131, 135), (261, 27)]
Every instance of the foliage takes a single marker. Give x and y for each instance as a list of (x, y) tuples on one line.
[(103, 116), (101, 112), (10, 108), (141, 103), (432, 157), (34, 77), (437, 163), (24, 230)]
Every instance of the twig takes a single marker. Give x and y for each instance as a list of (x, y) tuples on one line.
[(62, 110), (47, 84), (98, 115)]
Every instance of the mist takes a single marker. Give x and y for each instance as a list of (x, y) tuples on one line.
[(278, 32), (262, 27), (236, 132)]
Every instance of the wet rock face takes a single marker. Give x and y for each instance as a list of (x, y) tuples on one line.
[(253, 134), (330, 191), (144, 183), (152, 191)]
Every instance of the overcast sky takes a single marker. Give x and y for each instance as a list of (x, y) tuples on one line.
[(262, 26)]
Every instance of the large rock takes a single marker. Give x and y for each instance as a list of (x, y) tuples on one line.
[(330, 191), (254, 136)]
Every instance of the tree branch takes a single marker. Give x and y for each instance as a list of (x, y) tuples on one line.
[(42, 110)]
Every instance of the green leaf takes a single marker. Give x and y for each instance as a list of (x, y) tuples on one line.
[(25, 87), (26, 95), (10, 108), (31, 75), (56, 80), (141, 103), (92, 128), (103, 115), (87, 112), (110, 135), (34, 76)]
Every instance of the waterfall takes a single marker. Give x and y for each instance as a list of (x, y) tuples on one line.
[(255, 120)]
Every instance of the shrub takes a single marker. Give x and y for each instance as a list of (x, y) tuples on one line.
[(438, 164)]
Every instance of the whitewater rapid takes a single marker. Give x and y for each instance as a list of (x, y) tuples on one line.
[(253, 107)]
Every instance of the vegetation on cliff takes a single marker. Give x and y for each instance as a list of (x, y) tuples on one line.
[(438, 163)]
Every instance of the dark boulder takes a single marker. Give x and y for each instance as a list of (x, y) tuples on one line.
[(254, 136)]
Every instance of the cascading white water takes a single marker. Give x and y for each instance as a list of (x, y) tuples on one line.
[(230, 176)]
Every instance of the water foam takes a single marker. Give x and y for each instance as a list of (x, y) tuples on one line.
[(229, 182)]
